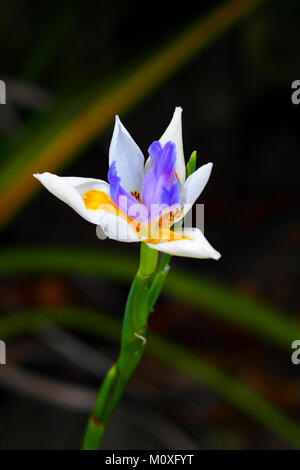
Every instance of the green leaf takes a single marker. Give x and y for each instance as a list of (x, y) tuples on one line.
[(51, 39), (254, 315), (53, 140), (191, 164), (172, 354)]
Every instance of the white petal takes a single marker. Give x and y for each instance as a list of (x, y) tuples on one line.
[(194, 186), (116, 228), (71, 189), (82, 185), (198, 247), (174, 133), (129, 158)]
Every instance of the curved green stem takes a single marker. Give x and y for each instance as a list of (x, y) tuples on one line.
[(132, 347), (202, 370)]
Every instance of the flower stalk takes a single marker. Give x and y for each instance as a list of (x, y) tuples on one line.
[(143, 294)]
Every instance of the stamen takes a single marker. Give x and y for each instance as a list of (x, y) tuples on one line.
[(168, 218)]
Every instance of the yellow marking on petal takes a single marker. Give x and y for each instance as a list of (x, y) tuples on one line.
[(94, 199), (167, 235), (99, 200)]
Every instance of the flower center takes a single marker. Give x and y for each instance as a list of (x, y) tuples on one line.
[(151, 232), (153, 212)]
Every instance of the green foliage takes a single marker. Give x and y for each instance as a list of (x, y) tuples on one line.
[(191, 164), (52, 38), (199, 369), (255, 316), (52, 140)]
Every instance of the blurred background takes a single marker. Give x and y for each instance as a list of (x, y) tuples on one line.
[(69, 67)]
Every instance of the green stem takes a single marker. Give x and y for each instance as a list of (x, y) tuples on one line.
[(159, 280), (132, 347), (95, 428)]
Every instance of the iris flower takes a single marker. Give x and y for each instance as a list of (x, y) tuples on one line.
[(141, 202)]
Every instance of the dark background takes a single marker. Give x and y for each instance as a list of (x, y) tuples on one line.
[(237, 113)]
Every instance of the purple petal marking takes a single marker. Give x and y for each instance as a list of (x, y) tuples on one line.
[(160, 186), (125, 201), (170, 196)]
